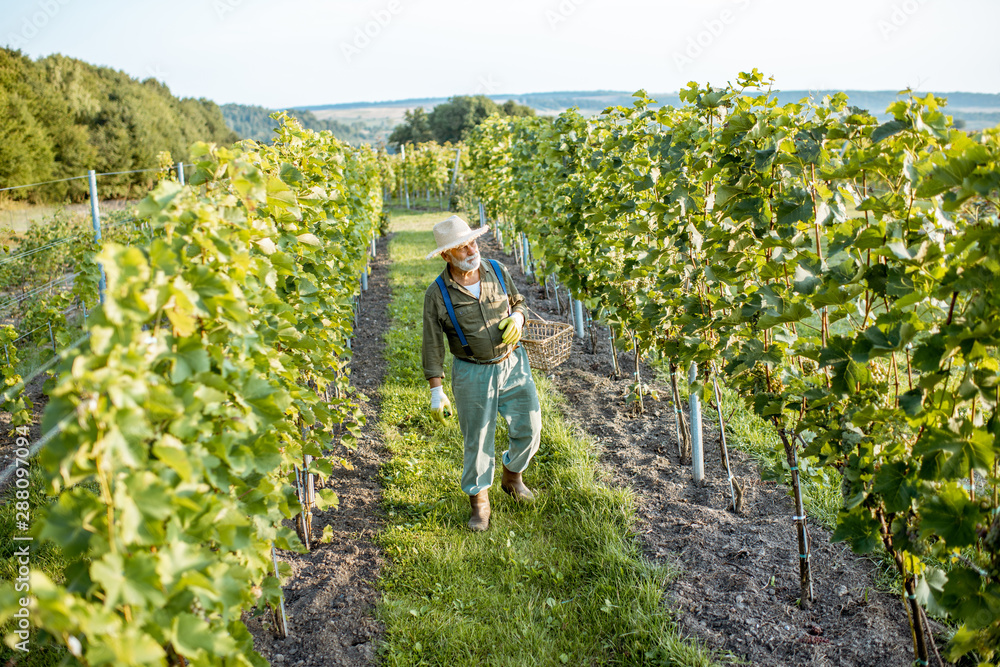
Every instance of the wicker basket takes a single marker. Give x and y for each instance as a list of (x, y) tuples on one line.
[(547, 343)]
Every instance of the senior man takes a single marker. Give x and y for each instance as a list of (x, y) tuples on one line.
[(475, 305)]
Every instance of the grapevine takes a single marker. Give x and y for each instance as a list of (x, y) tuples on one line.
[(840, 270), (216, 366)]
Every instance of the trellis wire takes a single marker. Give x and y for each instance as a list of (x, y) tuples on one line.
[(47, 246), (38, 290), (35, 185), (95, 215), (37, 445), (76, 178)]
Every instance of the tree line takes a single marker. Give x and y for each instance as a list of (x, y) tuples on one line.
[(63, 116)]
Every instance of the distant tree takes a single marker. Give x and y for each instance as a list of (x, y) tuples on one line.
[(512, 108), (414, 129), (26, 153), (452, 120), (62, 116)]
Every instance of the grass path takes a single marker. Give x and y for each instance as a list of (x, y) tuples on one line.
[(559, 582)]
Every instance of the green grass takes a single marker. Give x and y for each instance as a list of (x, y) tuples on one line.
[(558, 582)]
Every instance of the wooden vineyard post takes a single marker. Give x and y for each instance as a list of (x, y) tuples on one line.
[(280, 619), (305, 491), (722, 439), (310, 492), (802, 531), (592, 328), (637, 376), (683, 434), (918, 630), (614, 352), (301, 521)]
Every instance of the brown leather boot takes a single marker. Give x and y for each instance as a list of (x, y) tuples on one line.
[(512, 484), (480, 510)]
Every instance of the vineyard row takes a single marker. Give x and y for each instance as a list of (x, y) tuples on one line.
[(212, 383), (840, 271)]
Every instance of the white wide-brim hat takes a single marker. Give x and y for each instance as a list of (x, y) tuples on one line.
[(454, 233)]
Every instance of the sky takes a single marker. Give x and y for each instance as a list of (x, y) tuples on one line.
[(306, 52)]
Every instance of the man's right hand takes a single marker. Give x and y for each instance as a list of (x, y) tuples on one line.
[(440, 405)]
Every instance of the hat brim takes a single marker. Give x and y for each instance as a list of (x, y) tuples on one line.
[(460, 241)]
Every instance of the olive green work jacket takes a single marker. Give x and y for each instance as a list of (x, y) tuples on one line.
[(479, 318)]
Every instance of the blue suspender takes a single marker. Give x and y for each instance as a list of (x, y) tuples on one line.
[(451, 308), (451, 314), (496, 271)]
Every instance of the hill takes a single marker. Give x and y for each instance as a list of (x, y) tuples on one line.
[(255, 122), (63, 116), (975, 110)]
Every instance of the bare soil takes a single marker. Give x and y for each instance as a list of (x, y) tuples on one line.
[(330, 598)]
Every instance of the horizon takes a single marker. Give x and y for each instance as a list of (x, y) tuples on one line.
[(652, 94)]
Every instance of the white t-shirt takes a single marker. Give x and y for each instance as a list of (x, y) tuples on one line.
[(475, 288)]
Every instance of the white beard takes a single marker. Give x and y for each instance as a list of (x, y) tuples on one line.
[(468, 265)]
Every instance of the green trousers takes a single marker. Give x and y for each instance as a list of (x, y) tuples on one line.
[(483, 391)]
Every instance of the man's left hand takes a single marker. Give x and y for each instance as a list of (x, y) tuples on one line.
[(511, 328)]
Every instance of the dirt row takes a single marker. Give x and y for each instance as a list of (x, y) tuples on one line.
[(330, 598)]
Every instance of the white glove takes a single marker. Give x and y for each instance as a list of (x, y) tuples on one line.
[(440, 405), (437, 396)]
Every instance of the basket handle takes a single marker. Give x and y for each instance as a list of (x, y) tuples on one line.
[(536, 314)]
